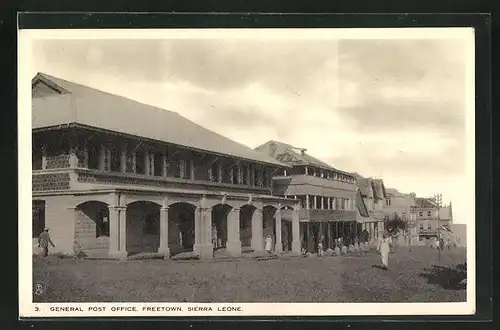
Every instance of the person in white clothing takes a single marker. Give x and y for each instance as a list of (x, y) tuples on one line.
[(384, 249), (269, 244)]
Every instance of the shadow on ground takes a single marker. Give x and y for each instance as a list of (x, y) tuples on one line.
[(449, 278)]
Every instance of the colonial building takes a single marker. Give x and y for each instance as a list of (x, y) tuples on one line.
[(327, 195), (374, 195), (426, 211), (397, 204), (121, 177)]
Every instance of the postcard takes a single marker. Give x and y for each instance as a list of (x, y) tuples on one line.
[(246, 172)]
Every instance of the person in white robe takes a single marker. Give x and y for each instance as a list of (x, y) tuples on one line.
[(384, 249), (269, 243)]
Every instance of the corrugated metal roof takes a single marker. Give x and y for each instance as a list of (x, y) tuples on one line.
[(424, 203), (88, 106), (393, 192), (294, 156)]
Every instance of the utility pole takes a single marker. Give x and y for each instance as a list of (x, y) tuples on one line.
[(438, 203)]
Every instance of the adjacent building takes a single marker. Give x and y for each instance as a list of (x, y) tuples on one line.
[(426, 214), (326, 195), (374, 195), (398, 206), (120, 177)]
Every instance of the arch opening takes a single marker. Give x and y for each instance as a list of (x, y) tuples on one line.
[(268, 221), (92, 225), (143, 227), (181, 227), (220, 213), (246, 214)]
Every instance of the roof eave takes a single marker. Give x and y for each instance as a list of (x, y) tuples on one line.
[(79, 125)]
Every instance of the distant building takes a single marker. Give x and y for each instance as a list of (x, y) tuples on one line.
[(432, 218), (327, 195), (398, 205), (374, 195), (123, 177)]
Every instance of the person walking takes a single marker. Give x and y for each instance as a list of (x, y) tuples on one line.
[(384, 249), (44, 241)]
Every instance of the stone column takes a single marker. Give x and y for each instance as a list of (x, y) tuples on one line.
[(315, 199), (295, 231), (203, 230), (248, 175), (191, 169), (257, 231), (151, 163), (44, 156), (165, 164), (164, 232), (219, 172), (233, 233), (85, 155), (117, 232), (279, 247), (147, 161), (307, 201), (102, 158), (123, 158), (210, 173)]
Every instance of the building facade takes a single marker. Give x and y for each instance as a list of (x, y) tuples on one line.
[(426, 213), (398, 206), (120, 178), (374, 195), (327, 196)]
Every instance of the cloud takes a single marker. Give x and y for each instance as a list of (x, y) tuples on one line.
[(396, 84), (385, 108)]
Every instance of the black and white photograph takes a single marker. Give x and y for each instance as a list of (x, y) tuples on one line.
[(179, 172)]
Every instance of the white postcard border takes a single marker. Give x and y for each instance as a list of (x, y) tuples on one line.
[(29, 309)]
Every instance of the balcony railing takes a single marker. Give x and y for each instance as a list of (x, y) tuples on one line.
[(322, 215), (52, 180)]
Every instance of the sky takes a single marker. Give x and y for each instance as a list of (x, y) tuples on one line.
[(386, 108)]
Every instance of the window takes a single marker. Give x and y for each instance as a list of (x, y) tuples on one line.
[(244, 173), (388, 202), (38, 212), (115, 158), (319, 200), (429, 213), (36, 157), (158, 163), (140, 159), (102, 224), (429, 226), (420, 214), (311, 202), (94, 152), (215, 172), (421, 226), (235, 178)]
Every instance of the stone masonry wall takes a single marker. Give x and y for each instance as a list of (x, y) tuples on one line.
[(58, 161), (85, 230), (50, 181)]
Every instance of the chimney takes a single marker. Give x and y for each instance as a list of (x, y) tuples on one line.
[(303, 152)]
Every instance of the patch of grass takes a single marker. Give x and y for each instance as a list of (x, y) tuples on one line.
[(316, 279)]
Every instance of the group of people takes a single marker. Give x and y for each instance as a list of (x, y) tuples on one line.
[(441, 244)]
